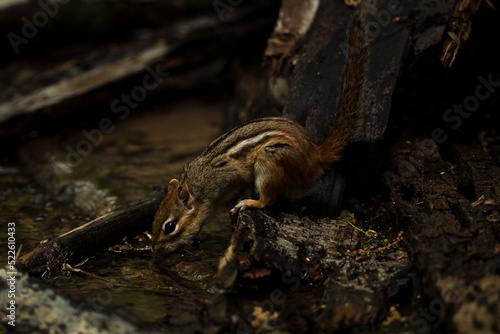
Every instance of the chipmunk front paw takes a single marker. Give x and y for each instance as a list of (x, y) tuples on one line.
[(242, 205)]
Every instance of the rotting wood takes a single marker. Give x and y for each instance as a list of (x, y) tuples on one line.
[(361, 272), (451, 236), (95, 236)]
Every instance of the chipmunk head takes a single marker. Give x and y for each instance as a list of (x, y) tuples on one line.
[(177, 220)]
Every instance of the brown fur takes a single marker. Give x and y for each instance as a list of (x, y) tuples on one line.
[(350, 105), (271, 155)]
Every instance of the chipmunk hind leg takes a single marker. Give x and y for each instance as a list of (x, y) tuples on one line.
[(267, 184), (279, 169)]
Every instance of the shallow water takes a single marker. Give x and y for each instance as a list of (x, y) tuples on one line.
[(49, 190), (35, 216)]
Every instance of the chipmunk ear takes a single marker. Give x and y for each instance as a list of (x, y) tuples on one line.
[(183, 195), (174, 183)]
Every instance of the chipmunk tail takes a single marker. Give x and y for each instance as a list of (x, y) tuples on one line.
[(350, 106)]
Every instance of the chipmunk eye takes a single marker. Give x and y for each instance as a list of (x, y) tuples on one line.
[(169, 226)]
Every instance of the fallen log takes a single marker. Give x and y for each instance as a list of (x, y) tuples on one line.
[(362, 272), (87, 240), (45, 97), (72, 87)]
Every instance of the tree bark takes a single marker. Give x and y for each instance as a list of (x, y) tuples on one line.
[(305, 58)]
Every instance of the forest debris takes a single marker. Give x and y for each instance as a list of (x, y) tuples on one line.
[(460, 28), (360, 278), (352, 221), (139, 243), (492, 201), (494, 218), (379, 250), (81, 271)]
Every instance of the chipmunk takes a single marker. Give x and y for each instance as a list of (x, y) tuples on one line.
[(274, 156)]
